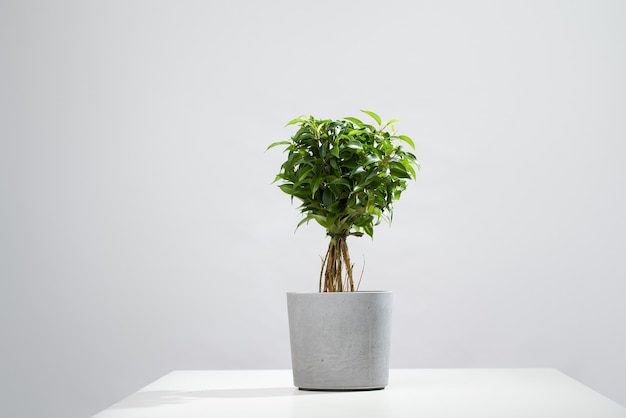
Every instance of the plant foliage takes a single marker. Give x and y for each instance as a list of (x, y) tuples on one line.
[(346, 173)]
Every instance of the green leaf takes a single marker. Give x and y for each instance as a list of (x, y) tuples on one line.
[(409, 168), (296, 120), (358, 170), (354, 145), (355, 120), (370, 178), (303, 221), (341, 182), (315, 187), (323, 223), (407, 140), (390, 123), (399, 170), (373, 115), (303, 174), (372, 158), (320, 220), (327, 198), (275, 144), (287, 188)]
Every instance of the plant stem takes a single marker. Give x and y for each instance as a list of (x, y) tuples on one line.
[(337, 260)]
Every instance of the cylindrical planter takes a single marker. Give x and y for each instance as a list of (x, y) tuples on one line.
[(340, 340)]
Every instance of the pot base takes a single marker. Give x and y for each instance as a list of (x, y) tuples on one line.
[(343, 390)]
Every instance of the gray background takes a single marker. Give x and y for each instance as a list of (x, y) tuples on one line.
[(139, 231)]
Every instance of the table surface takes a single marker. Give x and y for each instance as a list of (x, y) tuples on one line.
[(428, 393)]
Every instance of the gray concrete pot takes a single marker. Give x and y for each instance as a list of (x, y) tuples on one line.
[(341, 340)]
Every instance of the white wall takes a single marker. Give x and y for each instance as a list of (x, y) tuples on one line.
[(139, 232)]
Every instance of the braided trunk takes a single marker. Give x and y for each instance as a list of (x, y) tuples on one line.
[(336, 273)]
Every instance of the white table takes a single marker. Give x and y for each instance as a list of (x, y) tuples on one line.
[(427, 393)]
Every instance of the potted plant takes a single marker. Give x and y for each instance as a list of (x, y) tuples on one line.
[(347, 174)]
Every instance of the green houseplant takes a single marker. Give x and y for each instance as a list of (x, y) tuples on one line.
[(347, 174)]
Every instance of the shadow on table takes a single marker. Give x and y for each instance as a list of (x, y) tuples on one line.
[(171, 397)]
